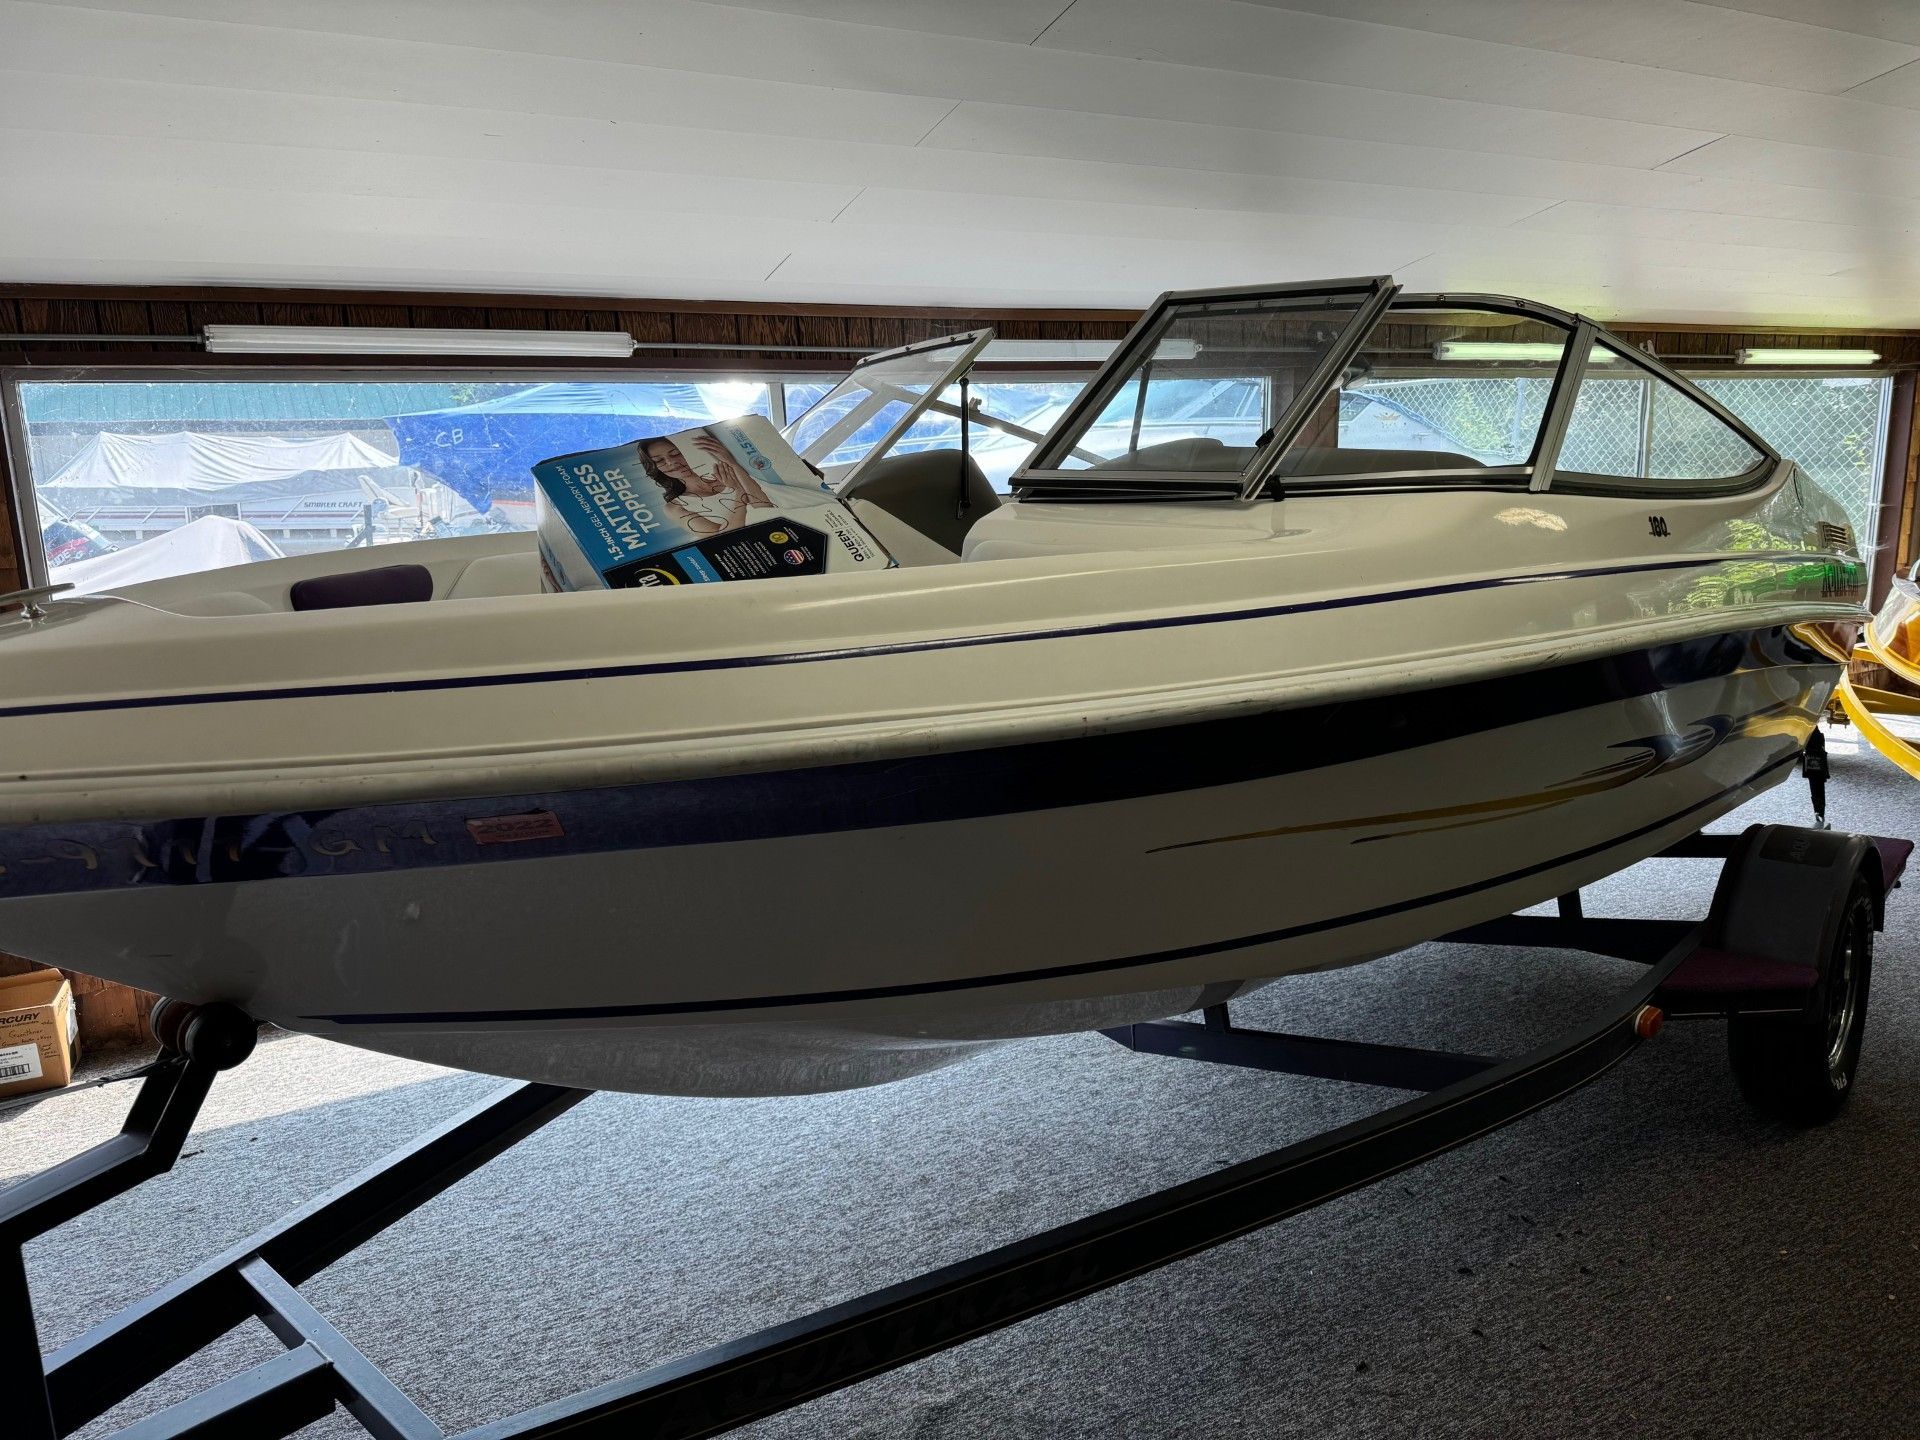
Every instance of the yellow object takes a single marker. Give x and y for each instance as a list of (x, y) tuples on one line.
[(1908, 645), (1900, 752), (1899, 664), (1899, 621), (1887, 702)]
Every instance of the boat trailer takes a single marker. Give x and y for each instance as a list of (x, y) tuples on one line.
[(1784, 956)]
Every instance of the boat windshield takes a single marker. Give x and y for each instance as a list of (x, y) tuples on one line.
[(1438, 389), (861, 417), (1204, 385)]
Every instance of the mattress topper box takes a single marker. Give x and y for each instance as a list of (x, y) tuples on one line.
[(37, 1032), (725, 501)]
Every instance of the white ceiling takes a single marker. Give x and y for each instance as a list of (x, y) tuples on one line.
[(1750, 160)]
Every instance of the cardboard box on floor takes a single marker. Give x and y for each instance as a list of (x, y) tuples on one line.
[(36, 1032)]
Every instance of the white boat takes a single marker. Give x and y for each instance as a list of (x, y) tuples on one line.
[(315, 493), (1189, 713)]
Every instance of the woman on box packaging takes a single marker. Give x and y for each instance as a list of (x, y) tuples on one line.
[(706, 504)]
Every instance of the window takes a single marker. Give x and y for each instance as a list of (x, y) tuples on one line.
[(177, 475), (1434, 391), (875, 398), (1204, 385), (1833, 426), (1629, 425), (1229, 409), (801, 396), (190, 473), (1010, 418)]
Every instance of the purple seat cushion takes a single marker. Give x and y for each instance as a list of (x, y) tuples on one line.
[(388, 585)]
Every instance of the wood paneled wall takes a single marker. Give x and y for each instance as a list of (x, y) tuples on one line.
[(130, 314), (1899, 512)]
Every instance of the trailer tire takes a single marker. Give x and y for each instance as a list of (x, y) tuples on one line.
[(1801, 1068)]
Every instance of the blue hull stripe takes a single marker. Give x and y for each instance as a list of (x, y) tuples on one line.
[(806, 657), (72, 857), (1056, 972)]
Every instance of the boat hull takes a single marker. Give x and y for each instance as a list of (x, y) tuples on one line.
[(844, 925)]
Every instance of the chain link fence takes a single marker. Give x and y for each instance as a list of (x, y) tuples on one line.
[(1831, 425)]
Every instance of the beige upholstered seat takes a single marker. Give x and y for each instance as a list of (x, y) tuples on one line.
[(936, 495), (498, 575)]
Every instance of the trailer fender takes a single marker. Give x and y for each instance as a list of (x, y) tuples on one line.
[(1783, 892)]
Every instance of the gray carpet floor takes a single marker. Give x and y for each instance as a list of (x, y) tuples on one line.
[(1647, 1257)]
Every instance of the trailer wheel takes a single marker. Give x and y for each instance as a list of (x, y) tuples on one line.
[(1800, 1068)]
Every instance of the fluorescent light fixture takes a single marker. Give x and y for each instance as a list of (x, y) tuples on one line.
[(373, 340), (1090, 351), (1514, 351), (1031, 350), (1808, 357)]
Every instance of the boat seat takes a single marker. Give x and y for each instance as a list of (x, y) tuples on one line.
[(386, 585), (937, 494), (493, 575), (906, 544), (1192, 452), (223, 602)]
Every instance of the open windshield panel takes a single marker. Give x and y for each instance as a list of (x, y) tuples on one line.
[(860, 418), (1005, 420), (1205, 391)]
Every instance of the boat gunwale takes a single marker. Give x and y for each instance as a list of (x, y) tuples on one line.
[(275, 785)]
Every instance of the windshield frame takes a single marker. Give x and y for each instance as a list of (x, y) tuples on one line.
[(1547, 473), (1042, 471), (1541, 471), (1520, 476), (1260, 479), (966, 345)]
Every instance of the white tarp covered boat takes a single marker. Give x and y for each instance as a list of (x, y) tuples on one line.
[(310, 492), (213, 542), (1192, 711)]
